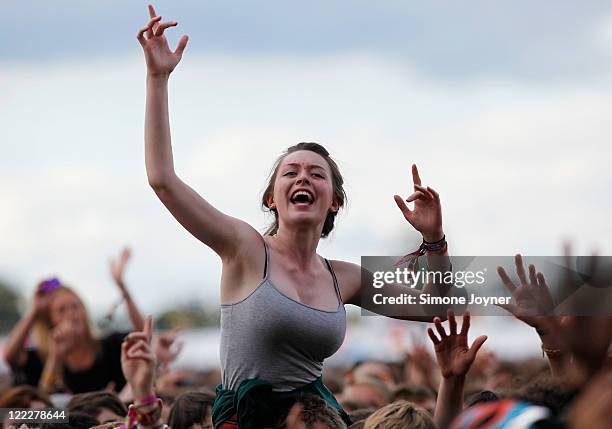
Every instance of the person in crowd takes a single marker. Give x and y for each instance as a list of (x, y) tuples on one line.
[(103, 406), (366, 392), (418, 395), (192, 410), (67, 356), (400, 414), (282, 309), (24, 397), (75, 421)]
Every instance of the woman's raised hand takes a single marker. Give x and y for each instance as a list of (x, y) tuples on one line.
[(160, 59), (452, 352), (426, 217)]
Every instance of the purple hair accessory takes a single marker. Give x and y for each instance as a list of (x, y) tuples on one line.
[(50, 285)]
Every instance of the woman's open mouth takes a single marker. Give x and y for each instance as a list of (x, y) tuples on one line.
[(302, 197)]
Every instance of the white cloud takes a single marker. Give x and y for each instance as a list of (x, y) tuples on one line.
[(518, 166)]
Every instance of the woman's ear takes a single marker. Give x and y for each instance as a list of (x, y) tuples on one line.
[(270, 202), (334, 207)]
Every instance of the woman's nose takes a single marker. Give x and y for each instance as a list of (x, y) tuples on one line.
[(302, 178)]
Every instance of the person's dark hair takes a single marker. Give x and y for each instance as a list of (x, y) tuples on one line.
[(412, 393), (190, 408), (337, 183), (22, 397), (317, 411), (482, 397), (547, 391), (361, 414), (92, 403), (75, 421)]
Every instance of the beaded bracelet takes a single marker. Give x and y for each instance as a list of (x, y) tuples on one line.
[(412, 259)]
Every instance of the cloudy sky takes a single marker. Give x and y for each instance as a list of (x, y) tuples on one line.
[(504, 106)]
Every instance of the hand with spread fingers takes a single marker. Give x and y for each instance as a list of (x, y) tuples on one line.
[(138, 360), (533, 303), (452, 352), (161, 61), (426, 217), (454, 359)]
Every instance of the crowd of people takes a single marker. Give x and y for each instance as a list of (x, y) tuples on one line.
[(283, 313), (461, 386)]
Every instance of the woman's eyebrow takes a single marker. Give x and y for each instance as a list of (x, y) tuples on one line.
[(299, 164)]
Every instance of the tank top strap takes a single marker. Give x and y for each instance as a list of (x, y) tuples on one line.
[(267, 260), (335, 279)]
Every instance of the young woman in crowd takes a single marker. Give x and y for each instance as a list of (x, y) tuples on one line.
[(67, 356), (282, 309)]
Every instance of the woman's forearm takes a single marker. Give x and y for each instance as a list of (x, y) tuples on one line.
[(135, 315), (450, 400), (158, 148), (14, 348)]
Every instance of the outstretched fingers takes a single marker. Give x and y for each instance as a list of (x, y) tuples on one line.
[(465, 324), (403, 207), (452, 322), (433, 337), (181, 46), (148, 328), (416, 179), (440, 328), (532, 275), (506, 280), (520, 269), (477, 344)]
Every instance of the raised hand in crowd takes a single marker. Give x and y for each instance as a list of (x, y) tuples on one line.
[(117, 269), (138, 360), (419, 366), (454, 358), (426, 217), (576, 346), (533, 304), (138, 363), (160, 60)]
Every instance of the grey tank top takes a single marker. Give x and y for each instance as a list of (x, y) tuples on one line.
[(276, 339)]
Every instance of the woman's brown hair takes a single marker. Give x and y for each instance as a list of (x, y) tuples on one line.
[(337, 184)]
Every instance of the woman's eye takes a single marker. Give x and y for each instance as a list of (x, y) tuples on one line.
[(289, 173), (320, 176)]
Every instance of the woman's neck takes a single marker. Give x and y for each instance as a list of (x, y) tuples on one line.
[(299, 246)]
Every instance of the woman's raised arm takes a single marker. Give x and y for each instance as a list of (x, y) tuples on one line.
[(220, 232)]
